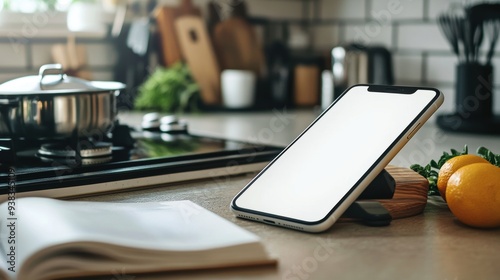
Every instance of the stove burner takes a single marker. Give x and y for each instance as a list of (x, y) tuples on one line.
[(63, 150), (72, 161)]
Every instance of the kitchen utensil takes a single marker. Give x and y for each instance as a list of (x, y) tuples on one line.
[(165, 20), (200, 57), (492, 29), (466, 27), (474, 84), (486, 16), (461, 32), (477, 39), (54, 105), (446, 26), (236, 43)]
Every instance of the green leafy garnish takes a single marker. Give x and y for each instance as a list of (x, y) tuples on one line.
[(489, 156), (431, 170)]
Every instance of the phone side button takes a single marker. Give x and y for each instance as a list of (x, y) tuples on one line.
[(412, 132)]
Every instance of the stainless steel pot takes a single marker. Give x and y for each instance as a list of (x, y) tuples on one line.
[(54, 105)]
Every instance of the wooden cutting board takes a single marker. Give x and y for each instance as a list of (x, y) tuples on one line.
[(410, 196), (165, 21), (199, 54), (237, 45)]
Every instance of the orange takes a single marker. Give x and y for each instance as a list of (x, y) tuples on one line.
[(473, 195), (452, 165)]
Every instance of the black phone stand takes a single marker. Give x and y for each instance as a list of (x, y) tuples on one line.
[(372, 213)]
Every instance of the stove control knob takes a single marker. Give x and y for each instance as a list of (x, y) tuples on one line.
[(171, 124), (151, 121)]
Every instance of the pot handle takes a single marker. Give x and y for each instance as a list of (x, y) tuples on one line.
[(51, 69)]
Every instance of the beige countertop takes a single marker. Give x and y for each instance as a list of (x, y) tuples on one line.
[(433, 245)]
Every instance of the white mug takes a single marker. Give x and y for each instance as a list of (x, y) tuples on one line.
[(238, 88)]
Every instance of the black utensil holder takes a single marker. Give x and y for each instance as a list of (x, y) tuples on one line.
[(474, 91), (473, 103)]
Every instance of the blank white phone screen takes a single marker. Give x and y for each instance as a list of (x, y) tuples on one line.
[(308, 180)]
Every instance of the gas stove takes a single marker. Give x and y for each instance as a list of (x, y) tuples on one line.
[(125, 159)]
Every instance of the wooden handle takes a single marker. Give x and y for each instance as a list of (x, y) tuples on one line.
[(200, 57), (187, 8)]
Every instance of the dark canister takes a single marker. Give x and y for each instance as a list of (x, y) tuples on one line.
[(474, 90)]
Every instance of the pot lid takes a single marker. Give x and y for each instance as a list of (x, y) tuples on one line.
[(51, 79)]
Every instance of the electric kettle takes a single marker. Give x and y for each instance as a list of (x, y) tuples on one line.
[(358, 64)]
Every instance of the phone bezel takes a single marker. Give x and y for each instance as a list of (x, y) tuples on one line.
[(406, 133)]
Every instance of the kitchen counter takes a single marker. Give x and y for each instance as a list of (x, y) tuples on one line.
[(433, 245)]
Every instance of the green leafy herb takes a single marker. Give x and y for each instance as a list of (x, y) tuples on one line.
[(489, 156), (431, 170), (169, 90)]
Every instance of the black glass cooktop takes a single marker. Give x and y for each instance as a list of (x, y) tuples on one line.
[(154, 158)]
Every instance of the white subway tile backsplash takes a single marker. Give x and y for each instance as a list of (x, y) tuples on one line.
[(325, 36), (449, 99), (353, 9), (441, 6), (407, 27), (371, 33), (13, 54), (101, 55), (385, 10), (421, 36), (407, 68), (171, 2), (41, 54), (275, 9), (437, 7), (102, 75), (441, 69)]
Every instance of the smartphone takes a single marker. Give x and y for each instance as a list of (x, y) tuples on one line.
[(320, 174)]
